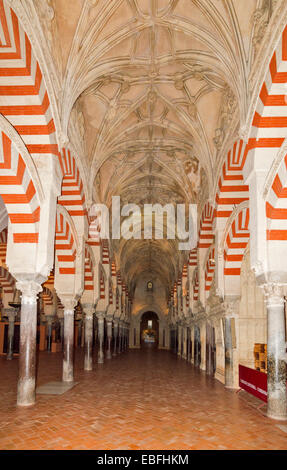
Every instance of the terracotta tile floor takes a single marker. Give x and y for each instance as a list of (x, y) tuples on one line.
[(138, 400)]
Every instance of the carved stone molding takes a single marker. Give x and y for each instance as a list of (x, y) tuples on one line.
[(30, 290), (231, 308), (274, 294)]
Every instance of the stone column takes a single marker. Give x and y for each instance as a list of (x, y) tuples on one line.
[(124, 331), (68, 360), (120, 337), (231, 366), (11, 328), (203, 346), (192, 344), (179, 336), (89, 329), (49, 319), (128, 336), (61, 320), (109, 336), (276, 352), (116, 331), (184, 339), (101, 319), (28, 330)]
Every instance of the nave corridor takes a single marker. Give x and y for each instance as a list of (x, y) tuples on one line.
[(144, 399)]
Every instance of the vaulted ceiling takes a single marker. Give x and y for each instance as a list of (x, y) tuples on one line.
[(151, 89)]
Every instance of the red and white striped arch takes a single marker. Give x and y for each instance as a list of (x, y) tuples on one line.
[(18, 193), (206, 236), (89, 277), (24, 99), (3, 245), (102, 284), (50, 281), (47, 296), (72, 195), (269, 133), (231, 188), (235, 245), (65, 246), (192, 260), (195, 285), (7, 281), (209, 268)]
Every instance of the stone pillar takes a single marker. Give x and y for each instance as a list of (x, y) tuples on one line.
[(203, 346), (228, 354), (61, 320), (89, 330), (120, 337), (11, 328), (49, 319), (192, 344), (68, 360), (184, 339), (116, 331), (276, 352), (231, 366), (109, 336), (124, 337), (28, 331), (179, 336), (101, 319)]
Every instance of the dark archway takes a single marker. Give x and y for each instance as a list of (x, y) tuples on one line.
[(149, 330)]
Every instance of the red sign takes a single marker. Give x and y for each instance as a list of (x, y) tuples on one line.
[(253, 381)]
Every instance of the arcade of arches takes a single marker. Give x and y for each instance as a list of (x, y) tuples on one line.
[(157, 102)]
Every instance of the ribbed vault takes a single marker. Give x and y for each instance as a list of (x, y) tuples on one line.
[(151, 90)]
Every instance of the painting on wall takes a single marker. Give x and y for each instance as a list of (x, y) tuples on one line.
[(149, 336)]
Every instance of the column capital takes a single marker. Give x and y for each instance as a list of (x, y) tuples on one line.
[(50, 318), (109, 318), (89, 310), (10, 313), (30, 290), (69, 301), (231, 307), (273, 293), (100, 315)]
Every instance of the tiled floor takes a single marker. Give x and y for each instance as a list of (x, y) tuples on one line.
[(138, 400)]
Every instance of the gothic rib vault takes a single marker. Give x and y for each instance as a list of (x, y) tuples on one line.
[(150, 92), (155, 101)]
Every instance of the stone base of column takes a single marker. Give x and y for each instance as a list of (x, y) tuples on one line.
[(88, 363), (26, 392)]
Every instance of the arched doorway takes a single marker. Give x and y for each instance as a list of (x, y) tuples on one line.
[(149, 330)]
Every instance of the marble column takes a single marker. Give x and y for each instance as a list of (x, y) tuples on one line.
[(69, 317), (124, 338), (179, 336), (228, 354), (128, 336), (61, 320), (116, 331), (109, 336), (101, 320), (208, 347), (276, 352), (89, 329), (11, 328), (192, 345), (49, 319), (202, 364), (184, 340), (120, 337), (28, 330)]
